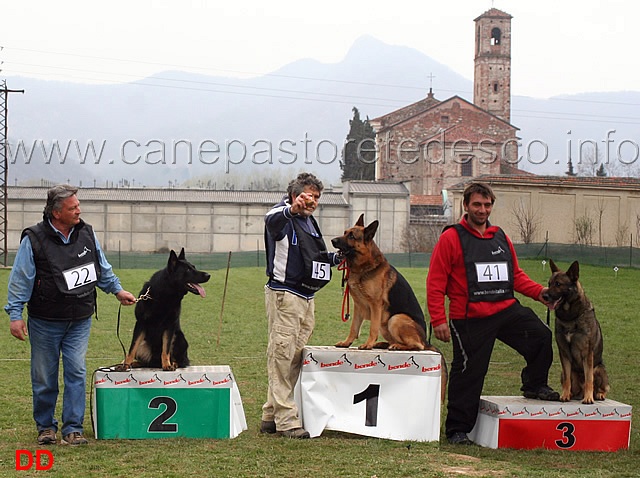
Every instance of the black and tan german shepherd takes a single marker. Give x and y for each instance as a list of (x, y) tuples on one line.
[(382, 296), (158, 340), (578, 336)]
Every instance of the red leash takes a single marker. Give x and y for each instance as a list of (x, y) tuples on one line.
[(345, 296)]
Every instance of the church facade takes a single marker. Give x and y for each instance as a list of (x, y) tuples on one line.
[(435, 144)]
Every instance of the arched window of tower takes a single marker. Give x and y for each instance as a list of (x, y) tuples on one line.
[(495, 36)]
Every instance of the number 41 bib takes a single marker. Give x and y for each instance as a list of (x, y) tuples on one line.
[(489, 266)]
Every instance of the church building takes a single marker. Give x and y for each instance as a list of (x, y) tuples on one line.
[(436, 144)]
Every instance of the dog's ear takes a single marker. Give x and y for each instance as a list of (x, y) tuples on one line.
[(360, 221), (370, 231), (181, 256), (574, 271), (173, 260), (554, 267)]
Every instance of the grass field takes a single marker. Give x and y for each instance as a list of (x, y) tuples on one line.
[(242, 345)]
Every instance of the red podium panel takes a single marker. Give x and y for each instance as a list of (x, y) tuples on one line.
[(517, 422)]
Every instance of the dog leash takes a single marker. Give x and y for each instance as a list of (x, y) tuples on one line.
[(144, 296), (224, 294), (345, 289)]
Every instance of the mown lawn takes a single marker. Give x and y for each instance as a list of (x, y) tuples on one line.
[(242, 345)]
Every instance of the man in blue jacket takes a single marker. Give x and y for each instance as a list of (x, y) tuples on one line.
[(55, 272), (298, 265)]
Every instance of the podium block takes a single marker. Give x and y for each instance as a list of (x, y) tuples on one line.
[(195, 402), (377, 393), (518, 422)]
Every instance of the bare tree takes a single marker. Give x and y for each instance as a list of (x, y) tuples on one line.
[(584, 230), (420, 237), (622, 233), (526, 220), (600, 207), (588, 159), (622, 170)]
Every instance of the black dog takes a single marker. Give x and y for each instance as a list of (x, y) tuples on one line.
[(157, 338)]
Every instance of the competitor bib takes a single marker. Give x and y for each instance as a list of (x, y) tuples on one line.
[(492, 272), (80, 276)]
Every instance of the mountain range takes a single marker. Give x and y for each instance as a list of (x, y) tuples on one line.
[(179, 128)]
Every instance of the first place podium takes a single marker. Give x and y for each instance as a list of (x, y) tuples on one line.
[(376, 393), (195, 402)]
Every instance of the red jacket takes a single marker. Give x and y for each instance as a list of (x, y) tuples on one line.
[(447, 276)]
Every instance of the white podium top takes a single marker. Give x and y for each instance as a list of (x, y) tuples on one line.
[(352, 359), (528, 408), (202, 376)]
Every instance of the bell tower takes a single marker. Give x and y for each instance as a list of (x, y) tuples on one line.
[(492, 63)]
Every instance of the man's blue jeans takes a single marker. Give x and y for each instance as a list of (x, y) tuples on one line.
[(49, 339)]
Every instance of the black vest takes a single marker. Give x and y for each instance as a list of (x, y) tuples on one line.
[(489, 266), (317, 268), (66, 274)]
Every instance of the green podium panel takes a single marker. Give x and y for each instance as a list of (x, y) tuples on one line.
[(195, 402)]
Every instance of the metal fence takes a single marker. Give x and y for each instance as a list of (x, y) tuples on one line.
[(594, 255)]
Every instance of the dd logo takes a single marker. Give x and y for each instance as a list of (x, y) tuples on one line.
[(39, 465)]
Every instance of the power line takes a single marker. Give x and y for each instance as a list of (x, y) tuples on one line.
[(213, 83), (390, 102), (307, 78)]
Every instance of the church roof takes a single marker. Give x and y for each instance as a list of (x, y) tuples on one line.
[(385, 126), (409, 111), (493, 13)]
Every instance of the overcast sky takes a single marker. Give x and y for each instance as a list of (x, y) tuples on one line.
[(558, 47)]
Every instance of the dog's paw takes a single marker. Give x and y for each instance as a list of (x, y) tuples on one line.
[(170, 368), (365, 347), (588, 401), (565, 398), (122, 367), (343, 344)]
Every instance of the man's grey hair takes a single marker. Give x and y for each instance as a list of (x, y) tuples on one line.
[(302, 181), (55, 196)]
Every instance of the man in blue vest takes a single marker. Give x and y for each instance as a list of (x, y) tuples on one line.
[(475, 265), (298, 265), (55, 272)]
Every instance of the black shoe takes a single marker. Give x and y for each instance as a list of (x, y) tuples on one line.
[(459, 438), (295, 433), (267, 427), (543, 393)]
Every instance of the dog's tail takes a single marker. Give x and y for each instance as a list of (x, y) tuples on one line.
[(444, 376)]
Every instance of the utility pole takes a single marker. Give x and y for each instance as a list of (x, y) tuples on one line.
[(4, 166)]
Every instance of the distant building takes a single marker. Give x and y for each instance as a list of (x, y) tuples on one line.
[(433, 144), (207, 221)]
